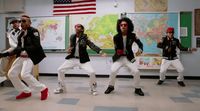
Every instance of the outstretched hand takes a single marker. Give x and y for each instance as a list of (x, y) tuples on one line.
[(103, 54), (159, 40), (138, 53), (69, 50)]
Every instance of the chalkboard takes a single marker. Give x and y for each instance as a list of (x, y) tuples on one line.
[(186, 28)]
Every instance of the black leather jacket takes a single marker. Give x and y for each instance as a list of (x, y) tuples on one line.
[(119, 45), (31, 45), (83, 42), (169, 47)]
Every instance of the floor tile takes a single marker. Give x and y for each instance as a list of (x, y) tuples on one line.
[(104, 108), (192, 95), (11, 93), (180, 100), (70, 101), (196, 90)]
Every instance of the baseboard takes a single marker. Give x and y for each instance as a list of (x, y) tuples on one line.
[(122, 76)]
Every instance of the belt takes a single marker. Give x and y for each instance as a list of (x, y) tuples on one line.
[(24, 56), (170, 58), (123, 55)]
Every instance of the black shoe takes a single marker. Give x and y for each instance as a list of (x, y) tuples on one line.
[(109, 89), (181, 83), (160, 82), (139, 91)]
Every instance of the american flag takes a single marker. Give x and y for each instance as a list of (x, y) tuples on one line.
[(68, 7)]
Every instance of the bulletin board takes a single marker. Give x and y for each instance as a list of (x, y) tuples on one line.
[(197, 22)]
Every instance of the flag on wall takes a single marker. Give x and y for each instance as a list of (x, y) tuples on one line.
[(69, 7)]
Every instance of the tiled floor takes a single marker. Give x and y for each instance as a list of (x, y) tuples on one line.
[(168, 97)]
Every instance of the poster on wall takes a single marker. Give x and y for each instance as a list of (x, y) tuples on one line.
[(197, 22), (183, 31), (151, 5), (150, 28)]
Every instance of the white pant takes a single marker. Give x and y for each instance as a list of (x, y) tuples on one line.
[(176, 63), (3, 64), (25, 67), (70, 63), (123, 61)]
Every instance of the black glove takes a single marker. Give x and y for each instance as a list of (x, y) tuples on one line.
[(5, 54), (19, 49), (23, 49)]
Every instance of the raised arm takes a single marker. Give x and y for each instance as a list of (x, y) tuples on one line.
[(185, 48), (92, 45)]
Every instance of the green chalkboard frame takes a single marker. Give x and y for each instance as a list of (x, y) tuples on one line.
[(186, 21)]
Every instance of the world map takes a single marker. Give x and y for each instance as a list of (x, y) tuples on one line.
[(52, 31), (151, 27)]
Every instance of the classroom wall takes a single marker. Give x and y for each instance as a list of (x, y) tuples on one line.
[(2, 30), (102, 64)]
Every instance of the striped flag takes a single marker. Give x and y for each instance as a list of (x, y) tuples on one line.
[(68, 7)]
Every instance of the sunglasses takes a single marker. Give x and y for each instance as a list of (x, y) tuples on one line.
[(22, 21), (125, 25)]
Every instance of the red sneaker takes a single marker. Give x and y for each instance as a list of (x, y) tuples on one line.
[(44, 94), (23, 95)]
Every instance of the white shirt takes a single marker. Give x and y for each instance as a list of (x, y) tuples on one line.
[(12, 39), (124, 42), (22, 40), (76, 48)]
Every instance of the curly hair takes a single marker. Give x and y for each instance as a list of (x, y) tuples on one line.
[(80, 25), (28, 17), (128, 21)]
